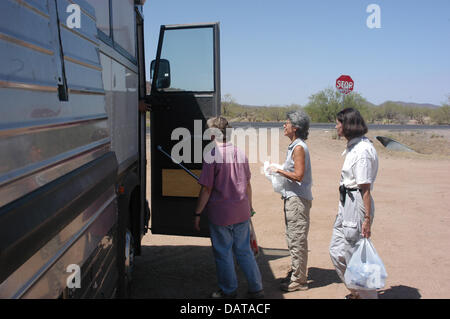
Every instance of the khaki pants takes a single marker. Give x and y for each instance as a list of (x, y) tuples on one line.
[(346, 233), (296, 213)]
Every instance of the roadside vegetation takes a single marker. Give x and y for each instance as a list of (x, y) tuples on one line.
[(236, 112), (323, 106)]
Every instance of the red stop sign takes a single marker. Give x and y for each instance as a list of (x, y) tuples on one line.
[(345, 84)]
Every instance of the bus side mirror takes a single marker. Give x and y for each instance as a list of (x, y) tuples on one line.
[(163, 79)]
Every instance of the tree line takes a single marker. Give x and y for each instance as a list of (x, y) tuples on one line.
[(323, 106), (236, 112)]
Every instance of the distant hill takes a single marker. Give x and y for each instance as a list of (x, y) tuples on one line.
[(408, 104), (411, 104), (268, 106)]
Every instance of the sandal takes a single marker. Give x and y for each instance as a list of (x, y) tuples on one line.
[(352, 296)]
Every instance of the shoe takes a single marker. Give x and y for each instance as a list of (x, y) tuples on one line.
[(293, 286), (352, 296), (256, 295), (219, 294), (287, 278)]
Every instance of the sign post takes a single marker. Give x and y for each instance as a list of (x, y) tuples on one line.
[(344, 84)]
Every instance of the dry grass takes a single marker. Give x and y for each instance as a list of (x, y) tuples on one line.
[(427, 144)]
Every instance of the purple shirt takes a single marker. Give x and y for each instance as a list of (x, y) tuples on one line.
[(228, 176)]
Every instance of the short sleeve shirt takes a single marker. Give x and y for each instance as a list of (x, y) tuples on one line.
[(303, 188), (228, 178), (361, 163)]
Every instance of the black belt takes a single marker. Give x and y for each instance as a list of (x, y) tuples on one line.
[(344, 190)]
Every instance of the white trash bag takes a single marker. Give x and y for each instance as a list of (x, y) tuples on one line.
[(365, 269), (276, 179)]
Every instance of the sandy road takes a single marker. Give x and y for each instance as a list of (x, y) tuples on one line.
[(411, 232)]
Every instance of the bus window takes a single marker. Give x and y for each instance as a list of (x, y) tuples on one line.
[(102, 15), (124, 26), (190, 53)]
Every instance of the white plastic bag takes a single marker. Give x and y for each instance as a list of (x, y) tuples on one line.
[(276, 179), (365, 269)]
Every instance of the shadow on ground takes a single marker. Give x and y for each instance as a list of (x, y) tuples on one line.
[(189, 272), (318, 277), (399, 292)]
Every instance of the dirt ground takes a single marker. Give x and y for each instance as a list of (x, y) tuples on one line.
[(411, 229)]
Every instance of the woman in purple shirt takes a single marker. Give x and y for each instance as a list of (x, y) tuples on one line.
[(226, 197)]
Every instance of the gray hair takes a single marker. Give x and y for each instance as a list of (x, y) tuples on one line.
[(300, 120), (221, 124)]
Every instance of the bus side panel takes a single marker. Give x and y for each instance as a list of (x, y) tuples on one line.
[(51, 149), (121, 89), (58, 225), (94, 244), (41, 137)]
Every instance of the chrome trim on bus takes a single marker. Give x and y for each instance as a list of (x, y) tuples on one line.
[(24, 180), (35, 10), (81, 35), (15, 286), (27, 86), (25, 44), (88, 65), (111, 53), (49, 162), (34, 127), (86, 91), (63, 249)]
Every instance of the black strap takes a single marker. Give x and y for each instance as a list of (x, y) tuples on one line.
[(343, 191)]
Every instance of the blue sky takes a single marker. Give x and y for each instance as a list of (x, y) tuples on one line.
[(281, 52)]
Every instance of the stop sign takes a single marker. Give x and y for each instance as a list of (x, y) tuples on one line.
[(345, 84)]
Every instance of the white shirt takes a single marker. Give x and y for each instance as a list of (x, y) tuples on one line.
[(361, 163)]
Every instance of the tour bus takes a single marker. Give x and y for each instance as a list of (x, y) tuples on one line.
[(74, 204)]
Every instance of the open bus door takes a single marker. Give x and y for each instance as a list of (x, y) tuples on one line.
[(185, 93)]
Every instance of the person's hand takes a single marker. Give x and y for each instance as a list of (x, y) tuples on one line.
[(366, 228), (142, 106), (273, 169), (197, 223)]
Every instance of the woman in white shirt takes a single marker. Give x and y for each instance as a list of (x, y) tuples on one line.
[(356, 206)]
